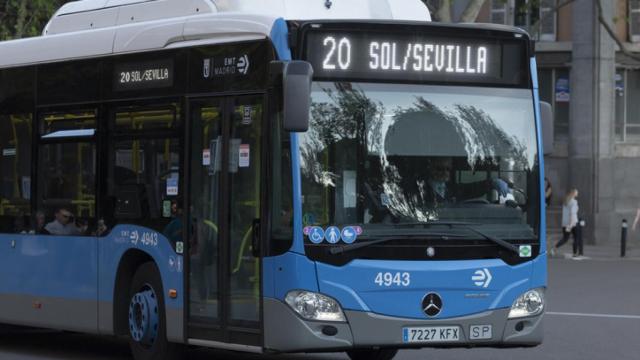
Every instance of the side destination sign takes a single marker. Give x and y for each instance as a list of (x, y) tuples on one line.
[(143, 75)]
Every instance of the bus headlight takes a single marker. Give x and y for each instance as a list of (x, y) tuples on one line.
[(530, 303), (314, 306)]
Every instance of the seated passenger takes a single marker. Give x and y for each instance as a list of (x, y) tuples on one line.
[(63, 224)]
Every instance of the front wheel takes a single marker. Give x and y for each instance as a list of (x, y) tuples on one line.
[(380, 354), (146, 317)]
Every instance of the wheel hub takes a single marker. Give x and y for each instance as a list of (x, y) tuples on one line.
[(143, 317)]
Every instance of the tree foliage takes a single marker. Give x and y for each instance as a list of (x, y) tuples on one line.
[(441, 10), (24, 18)]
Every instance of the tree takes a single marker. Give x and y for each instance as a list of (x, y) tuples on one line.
[(441, 9), (22, 18)]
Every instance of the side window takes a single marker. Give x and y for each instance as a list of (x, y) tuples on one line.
[(634, 20), (15, 177), (145, 157), (548, 20), (500, 12), (66, 202)]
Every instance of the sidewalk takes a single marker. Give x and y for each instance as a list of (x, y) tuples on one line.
[(608, 252)]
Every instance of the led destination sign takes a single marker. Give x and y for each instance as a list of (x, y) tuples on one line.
[(415, 57), (147, 75)]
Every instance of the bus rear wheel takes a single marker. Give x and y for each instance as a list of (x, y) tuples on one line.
[(380, 354), (146, 317)]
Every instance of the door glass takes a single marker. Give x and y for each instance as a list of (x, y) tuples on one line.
[(244, 174), (206, 158)]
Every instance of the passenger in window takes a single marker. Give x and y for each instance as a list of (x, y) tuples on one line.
[(173, 230), (64, 224), (19, 225), (41, 222), (102, 228)]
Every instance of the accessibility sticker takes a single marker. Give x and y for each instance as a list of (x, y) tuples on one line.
[(316, 234), (349, 235), (332, 234), (525, 251)]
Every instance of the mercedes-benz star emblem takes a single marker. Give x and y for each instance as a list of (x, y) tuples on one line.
[(432, 304), (431, 252), (328, 4)]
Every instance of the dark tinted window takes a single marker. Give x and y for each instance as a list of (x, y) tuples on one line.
[(69, 82), (61, 123), (66, 192), (16, 113), (15, 176), (161, 118), (145, 168)]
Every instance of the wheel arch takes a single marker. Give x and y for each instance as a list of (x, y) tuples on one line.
[(130, 261)]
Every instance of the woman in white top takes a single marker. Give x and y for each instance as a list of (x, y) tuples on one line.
[(569, 221)]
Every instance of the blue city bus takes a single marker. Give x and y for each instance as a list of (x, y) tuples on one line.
[(272, 177)]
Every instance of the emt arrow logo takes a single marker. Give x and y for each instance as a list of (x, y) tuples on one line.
[(482, 278), (243, 65)]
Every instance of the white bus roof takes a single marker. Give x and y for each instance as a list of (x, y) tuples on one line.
[(90, 28)]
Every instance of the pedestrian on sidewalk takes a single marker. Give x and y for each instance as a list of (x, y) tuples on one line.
[(548, 192), (569, 222), (635, 222)]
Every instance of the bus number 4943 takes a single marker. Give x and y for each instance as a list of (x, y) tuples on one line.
[(393, 279)]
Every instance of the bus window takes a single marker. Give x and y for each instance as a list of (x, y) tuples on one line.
[(15, 177), (67, 180), (162, 118), (59, 122), (145, 168)]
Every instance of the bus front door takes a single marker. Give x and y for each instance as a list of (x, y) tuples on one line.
[(225, 172)]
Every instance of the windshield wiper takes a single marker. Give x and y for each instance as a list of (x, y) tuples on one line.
[(387, 238), (505, 244), (471, 227)]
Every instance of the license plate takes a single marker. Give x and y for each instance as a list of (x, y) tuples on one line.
[(431, 334)]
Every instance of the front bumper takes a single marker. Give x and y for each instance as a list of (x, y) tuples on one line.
[(285, 331)]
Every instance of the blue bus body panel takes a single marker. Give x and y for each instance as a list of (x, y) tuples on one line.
[(292, 270), (354, 286), (536, 100), (125, 237), (69, 267), (288, 272), (49, 266), (539, 276)]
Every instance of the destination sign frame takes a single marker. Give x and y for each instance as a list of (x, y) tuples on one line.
[(416, 54)]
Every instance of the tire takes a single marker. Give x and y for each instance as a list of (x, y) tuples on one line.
[(146, 317), (380, 354)]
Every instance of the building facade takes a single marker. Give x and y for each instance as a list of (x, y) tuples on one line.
[(594, 89)]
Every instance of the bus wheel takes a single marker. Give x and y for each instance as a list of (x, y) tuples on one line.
[(380, 354), (147, 324)]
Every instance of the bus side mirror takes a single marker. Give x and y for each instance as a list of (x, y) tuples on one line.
[(296, 86), (546, 118)]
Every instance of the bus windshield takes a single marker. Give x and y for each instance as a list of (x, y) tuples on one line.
[(384, 157)]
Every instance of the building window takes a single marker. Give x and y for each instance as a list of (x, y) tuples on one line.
[(548, 20), (554, 89), (538, 17), (634, 20), (500, 11), (627, 88)]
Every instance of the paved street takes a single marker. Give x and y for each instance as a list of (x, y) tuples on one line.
[(593, 313)]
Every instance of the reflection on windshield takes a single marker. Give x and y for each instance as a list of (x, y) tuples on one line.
[(383, 154)]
